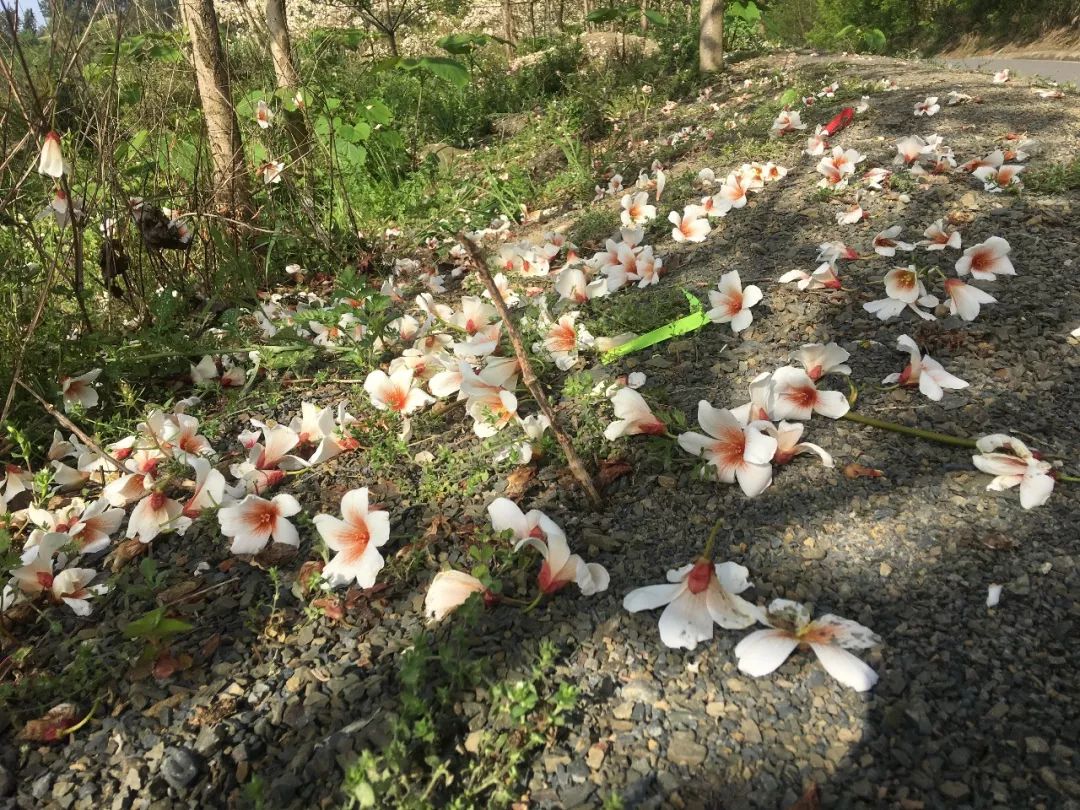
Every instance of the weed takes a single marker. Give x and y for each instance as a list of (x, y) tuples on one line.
[(1056, 178)]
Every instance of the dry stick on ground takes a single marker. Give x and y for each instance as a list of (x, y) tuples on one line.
[(528, 376), (67, 423)]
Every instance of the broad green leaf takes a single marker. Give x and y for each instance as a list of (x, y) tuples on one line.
[(655, 17), (155, 626), (378, 113), (604, 15)]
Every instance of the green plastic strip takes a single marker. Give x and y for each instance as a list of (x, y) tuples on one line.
[(689, 323)]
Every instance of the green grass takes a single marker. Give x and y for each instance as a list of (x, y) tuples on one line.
[(1057, 178)]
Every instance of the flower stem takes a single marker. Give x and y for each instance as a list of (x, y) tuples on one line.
[(943, 438), (1072, 479), (707, 554), (529, 608)]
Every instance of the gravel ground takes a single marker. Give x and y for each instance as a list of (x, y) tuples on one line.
[(976, 707)]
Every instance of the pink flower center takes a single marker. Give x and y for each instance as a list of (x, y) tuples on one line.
[(803, 396), (700, 576), (45, 579)]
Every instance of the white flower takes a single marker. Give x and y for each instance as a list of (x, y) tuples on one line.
[(448, 591), (987, 260), (690, 226), (925, 372), (80, 390), (928, 107), (1019, 467), (633, 416), (696, 596), (830, 637), (819, 359), (939, 238), (537, 530), (396, 391), (739, 453), (254, 521), (731, 303), (795, 396), (636, 209), (965, 300), (51, 161), (263, 115), (356, 538), (886, 243)]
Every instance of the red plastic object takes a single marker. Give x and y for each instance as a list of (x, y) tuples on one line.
[(845, 117)]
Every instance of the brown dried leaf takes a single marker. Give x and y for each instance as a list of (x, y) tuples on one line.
[(209, 647), (127, 551), (854, 470), (51, 726), (274, 555), (177, 592), (167, 664), (331, 606), (611, 470), (518, 481)]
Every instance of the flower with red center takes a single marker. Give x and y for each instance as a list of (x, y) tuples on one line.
[(1017, 467), (966, 300), (636, 209), (795, 396), (886, 243), (986, 260), (80, 390), (633, 416), (739, 453), (254, 521), (152, 516), (819, 359), (690, 226), (731, 302), (924, 371), (51, 161), (396, 392), (537, 530), (356, 538), (695, 597), (449, 590), (938, 237), (830, 637)]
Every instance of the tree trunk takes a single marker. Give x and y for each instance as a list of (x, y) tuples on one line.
[(644, 19), (711, 39), (286, 73), (280, 47), (508, 25), (586, 11), (232, 193)]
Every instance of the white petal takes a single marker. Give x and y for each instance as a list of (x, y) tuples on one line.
[(686, 621), (846, 667), (763, 651), (505, 514), (650, 596)]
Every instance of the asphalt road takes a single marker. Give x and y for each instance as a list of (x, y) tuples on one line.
[(1060, 70)]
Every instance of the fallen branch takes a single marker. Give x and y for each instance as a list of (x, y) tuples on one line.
[(69, 425), (528, 376)]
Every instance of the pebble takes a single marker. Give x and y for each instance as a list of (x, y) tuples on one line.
[(179, 768), (684, 750)]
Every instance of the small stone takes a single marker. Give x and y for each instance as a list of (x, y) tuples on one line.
[(472, 742), (1036, 745), (179, 768), (684, 750), (954, 790), (624, 711), (595, 758), (751, 731), (714, 708), (885, 569)]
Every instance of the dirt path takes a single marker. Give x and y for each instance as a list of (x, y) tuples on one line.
[(1060, 70)]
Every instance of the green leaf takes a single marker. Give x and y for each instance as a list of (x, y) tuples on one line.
[(447, 69), (656, 18), (156, 627), (378, 113), (790, 96), (350, 155), (604, 15), (695, 320)]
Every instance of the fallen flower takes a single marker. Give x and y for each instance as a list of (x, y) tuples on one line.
[(1019, 467), (633, 416), (965, 300), (739, 453), (254, 521), (830, 637), (731, 303), (690, 226), (819, 359), (356, 538), (695, 597), (537, 530), (787, 436), (448, 591), (939, 238), (927, 107), (986, 260), (795, 396), (636, 209), (923, 371), (886, 243), (80, 390), (396, 392)]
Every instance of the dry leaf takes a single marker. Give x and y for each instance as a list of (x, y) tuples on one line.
[(177, 592), (611, 470), (854, 470), (307, 576), (209, 647), (274, 555), (331, 606), (51, 726), (127, 551), (168, 664), (811, 799), (518, 481)]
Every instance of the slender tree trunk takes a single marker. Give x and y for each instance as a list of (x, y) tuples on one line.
[(286, 73), (711, 39), (508, 25), (644, 19), (232, 193), (586, 11)]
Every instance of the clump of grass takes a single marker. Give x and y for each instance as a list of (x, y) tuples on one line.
[(1054, 179), (594, 226)]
